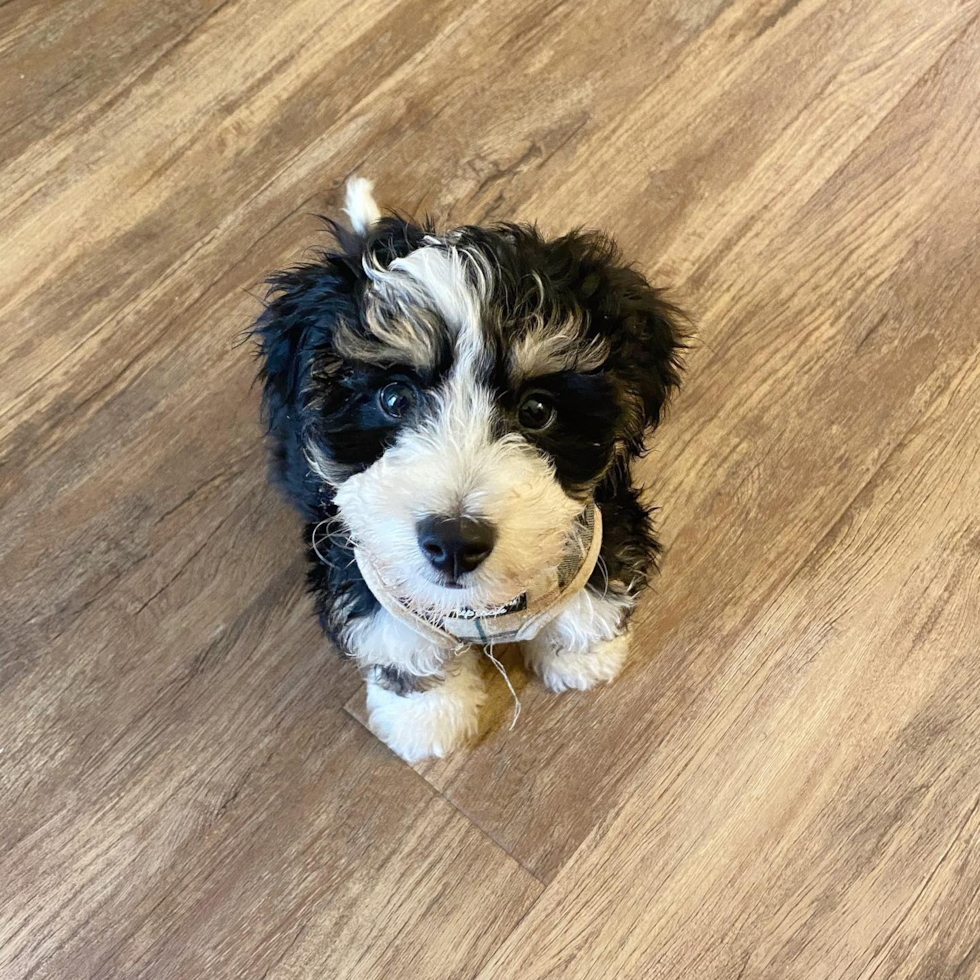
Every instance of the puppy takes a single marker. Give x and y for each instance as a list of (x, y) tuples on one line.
[(455, 416)]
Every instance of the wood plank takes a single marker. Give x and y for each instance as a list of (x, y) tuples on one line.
[(818, 815), (178, 219), (179, 872), (62, 61), (778, 430)]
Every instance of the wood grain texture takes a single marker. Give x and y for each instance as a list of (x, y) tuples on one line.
[(783, 784)]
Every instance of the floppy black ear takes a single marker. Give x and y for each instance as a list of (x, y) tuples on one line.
[(295, 336), (646, 333), (652, 340), (303, 307)]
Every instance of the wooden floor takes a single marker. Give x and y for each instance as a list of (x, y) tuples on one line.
[(786, 781)]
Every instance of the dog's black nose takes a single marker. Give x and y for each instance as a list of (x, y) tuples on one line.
[(455, 545)]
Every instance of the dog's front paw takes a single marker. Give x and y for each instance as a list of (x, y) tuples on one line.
[(563, 669), (432, 722)]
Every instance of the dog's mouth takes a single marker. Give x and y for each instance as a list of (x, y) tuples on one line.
[(485, 592), (431, 593), (469, 583), (451, 597)]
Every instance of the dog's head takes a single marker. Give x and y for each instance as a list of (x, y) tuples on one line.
[(458, 397)]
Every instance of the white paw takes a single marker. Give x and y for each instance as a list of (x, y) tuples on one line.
[(432, 722), (579, 670)]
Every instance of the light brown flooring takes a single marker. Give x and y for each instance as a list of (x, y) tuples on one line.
[(786, 781)]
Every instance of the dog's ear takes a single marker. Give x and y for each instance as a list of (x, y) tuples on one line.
[(295, 337), (646, 333), (654, 336), (295, 332)]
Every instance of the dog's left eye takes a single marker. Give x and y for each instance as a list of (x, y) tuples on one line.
[(397, 399), (536, 412)]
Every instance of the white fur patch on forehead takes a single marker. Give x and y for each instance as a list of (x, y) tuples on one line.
[(452, 280), (410, 301), (360, 205)]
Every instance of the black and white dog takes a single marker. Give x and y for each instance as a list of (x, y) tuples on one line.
[(455, 416)]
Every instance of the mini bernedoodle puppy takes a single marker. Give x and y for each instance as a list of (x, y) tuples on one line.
[(455, 415)]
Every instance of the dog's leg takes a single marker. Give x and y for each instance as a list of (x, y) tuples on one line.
[(585, 645), (422, 700), (426, 716)]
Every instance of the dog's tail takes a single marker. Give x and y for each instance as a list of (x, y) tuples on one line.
[(360, 206)]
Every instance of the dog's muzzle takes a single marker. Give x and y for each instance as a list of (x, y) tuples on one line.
[(515, 621)]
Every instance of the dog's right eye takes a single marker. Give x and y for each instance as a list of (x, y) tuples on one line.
[(397, 399), (536, 412)]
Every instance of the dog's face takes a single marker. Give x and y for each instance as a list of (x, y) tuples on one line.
[(459, 397)]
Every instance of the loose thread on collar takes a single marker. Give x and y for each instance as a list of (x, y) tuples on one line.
[(488, 651)]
